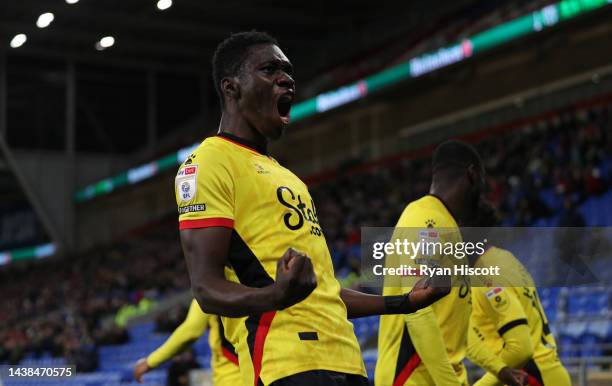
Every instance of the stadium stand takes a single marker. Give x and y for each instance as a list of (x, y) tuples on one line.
[(444, 30)]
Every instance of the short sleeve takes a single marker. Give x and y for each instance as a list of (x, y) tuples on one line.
[(505, 309), (204, 191)]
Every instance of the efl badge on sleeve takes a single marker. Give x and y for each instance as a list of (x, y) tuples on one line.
[(498, 299), (186, 182)]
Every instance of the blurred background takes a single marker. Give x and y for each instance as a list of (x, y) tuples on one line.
[(100, 101)]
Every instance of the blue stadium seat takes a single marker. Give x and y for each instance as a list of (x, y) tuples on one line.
[(600, 328), (141, 330), (597, 211), (608, 335), (551, 199), (201, 347), (606, 168), (550, 302), (589, 302), (204, 361), (566, 351), (365, 328), (591, 345), (43, 361), (369, 359), (157, 376)]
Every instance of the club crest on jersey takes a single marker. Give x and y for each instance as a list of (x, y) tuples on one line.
[(189, 159)]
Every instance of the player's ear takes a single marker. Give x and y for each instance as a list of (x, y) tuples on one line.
[(473, 174), (230, 88)]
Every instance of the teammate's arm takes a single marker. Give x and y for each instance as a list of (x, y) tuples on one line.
[(359, 304), (422, 325), (480, 354), (206, 251), (511, 322), (504, 310), (192, 328), (429, 344), (517, 350)]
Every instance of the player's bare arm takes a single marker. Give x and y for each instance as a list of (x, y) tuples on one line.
[(423, 294), (206, 253)]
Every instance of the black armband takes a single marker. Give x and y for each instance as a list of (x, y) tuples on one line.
[(399, 304)]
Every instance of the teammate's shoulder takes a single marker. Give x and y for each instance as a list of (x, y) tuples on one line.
[(496, 255), (427, 211), (501, 257)]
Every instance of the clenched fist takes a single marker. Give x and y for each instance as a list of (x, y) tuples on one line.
[(295, 278)]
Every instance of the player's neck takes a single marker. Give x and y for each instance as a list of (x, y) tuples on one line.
[(452, 199), (236, 125)]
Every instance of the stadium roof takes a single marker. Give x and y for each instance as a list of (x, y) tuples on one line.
[(184, 35)]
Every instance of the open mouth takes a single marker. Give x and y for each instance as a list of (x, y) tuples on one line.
[(284, 107)]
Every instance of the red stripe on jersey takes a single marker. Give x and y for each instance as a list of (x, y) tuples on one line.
[(403, 376), (206, 222), (230, 356), (260, 340), (533, 381)]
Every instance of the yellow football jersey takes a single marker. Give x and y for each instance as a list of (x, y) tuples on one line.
[(229, 182), (427, 347), (223, 363), (512, 303), (224, 360)]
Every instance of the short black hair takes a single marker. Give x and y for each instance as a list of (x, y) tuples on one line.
[(231, 53), (453, 155)]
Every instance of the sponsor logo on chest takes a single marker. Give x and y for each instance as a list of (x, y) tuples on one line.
[(299, 211)]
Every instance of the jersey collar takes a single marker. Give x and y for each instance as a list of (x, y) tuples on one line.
[(244, 143)]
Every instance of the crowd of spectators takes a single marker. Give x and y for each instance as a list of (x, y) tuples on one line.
[(68, 307), (566, 157)]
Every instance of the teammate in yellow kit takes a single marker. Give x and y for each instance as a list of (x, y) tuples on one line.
[(508, 326), (428, 347), (223, 362), (241, 214)]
